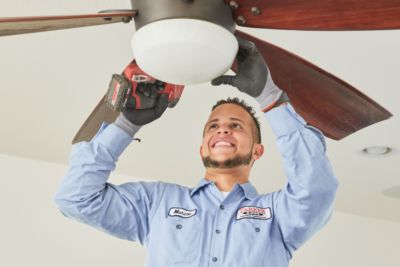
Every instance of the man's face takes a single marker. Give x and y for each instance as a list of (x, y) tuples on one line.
[(228, 138)]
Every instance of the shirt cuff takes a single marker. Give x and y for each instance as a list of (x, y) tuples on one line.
[(284, 120), (113, 138)]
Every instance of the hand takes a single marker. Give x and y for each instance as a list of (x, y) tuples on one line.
[(130, 120), (253, 77), (141, 117)]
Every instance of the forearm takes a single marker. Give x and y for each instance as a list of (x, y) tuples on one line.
[(90, 166)]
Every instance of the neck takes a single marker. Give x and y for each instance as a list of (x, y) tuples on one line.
[(225, 179)]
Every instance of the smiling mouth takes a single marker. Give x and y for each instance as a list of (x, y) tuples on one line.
[(223, 144)]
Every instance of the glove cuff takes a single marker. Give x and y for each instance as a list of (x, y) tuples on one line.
[(123, 123), (282, 99), (269, 95)]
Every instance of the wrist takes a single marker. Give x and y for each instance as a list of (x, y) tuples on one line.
[(282, 100), (269, 95), (123, 123)]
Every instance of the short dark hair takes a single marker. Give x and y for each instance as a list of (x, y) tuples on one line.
[(249, 109)]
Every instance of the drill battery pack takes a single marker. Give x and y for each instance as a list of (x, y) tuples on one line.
[(118, 92)]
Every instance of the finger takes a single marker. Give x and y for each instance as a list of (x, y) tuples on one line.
[(161, 105), (154, 92), (246, 46), (148, 90), (224, 79)]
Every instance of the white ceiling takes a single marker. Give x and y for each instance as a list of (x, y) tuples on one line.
[(51, 81)]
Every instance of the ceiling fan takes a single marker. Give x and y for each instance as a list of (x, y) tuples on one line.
[(188, 26)]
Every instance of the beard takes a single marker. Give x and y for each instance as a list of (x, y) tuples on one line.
[(236, 161)]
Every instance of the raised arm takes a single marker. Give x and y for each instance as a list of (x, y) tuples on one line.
[(305, 204), (85, 195)]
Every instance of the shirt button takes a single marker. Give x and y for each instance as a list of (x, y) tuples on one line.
[(218, 231), (257, 229), (214, 259), (179, 226), (222, 207)]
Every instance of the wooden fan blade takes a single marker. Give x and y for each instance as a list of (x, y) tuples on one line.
[(101, 113), (20, 25), (318, 14), (323, 100)]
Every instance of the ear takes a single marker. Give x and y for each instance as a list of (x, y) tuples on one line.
[(258, 151), (201, 151)]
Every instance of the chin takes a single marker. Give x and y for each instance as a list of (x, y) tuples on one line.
[(221, 158)]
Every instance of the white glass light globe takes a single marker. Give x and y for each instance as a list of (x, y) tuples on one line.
[(184, 51)]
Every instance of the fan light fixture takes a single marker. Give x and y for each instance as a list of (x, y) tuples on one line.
[(184, 51)]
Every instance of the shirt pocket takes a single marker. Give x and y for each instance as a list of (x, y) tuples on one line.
[(249, 236), (177, 240)]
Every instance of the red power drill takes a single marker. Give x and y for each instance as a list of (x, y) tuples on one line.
[(133, 89)]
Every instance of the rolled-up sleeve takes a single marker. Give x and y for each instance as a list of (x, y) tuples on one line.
[(85, 195), (306, 203)]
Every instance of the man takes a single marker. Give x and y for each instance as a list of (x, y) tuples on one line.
[(222, 221)]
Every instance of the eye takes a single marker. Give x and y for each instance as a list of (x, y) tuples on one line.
[(236, 126), (212, 126)]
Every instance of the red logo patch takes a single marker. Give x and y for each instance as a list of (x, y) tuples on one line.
[(254, 213)]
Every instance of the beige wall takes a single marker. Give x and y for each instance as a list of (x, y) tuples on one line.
[(34, 233), (351, 241)]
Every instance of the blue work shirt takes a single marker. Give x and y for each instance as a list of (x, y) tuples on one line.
[(197, 227)]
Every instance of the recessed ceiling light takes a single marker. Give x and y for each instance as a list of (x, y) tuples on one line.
[(393, 192), (377, 150)]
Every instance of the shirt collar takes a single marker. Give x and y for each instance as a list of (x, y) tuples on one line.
[(203, 182), (249, 190)]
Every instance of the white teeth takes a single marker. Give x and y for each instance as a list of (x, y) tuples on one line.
[(222, 143)]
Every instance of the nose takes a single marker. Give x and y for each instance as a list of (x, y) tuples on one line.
[(224, 129)]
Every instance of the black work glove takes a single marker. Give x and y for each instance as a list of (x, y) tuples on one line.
[(253, 77), (144, 116), (252, 71), (130, 120)]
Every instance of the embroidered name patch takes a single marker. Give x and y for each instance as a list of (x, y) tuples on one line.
[(254, 213), (180, 212)]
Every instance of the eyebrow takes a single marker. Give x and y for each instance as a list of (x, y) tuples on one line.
[(236, 119), (231, 118), (215, 120)]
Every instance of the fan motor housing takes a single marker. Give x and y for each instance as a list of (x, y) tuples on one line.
[(215, 11)]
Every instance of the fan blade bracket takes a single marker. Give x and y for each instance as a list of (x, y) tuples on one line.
[(126, 19)]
